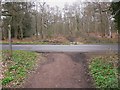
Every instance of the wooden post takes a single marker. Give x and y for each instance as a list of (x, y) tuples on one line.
[(9, 32), (10, 41)]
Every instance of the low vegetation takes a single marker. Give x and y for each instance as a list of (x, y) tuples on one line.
[(104, 71), (92, 39), (51, 41), (32, 43), (61, 40), (15, 70)]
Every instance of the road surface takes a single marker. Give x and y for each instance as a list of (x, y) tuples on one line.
[(63, 48)]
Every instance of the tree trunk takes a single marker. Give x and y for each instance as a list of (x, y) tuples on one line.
[(21, 32), (36, 26), (41, 31), (16, 32), (101, 20)]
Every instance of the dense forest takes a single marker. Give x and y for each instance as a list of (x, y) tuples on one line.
[(40, 20)]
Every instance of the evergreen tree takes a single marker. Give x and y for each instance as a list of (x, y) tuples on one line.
[(21, 19), (116, 12)]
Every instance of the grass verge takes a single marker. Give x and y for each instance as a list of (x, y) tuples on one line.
[(32, 43), (37, 43), (15, 70), (104, 71)]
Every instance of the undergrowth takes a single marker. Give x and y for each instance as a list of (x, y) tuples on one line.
[(104, 71), (15, 70)]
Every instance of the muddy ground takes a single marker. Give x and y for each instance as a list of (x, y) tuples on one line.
[(61, 70)]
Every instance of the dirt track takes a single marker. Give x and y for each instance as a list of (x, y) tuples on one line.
[(61, 70)]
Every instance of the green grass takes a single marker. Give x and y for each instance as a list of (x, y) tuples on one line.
[(37, 43), (25, 43), (15, 70), (104, 71)]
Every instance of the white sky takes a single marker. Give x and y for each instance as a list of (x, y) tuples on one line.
[(59, 3)]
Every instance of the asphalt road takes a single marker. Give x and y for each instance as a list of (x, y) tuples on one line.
[(64, 48)]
